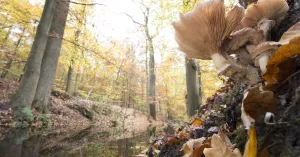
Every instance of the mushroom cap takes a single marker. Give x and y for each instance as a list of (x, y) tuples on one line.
[(263, 48), (271, 9), (293, 32), (200, 32)]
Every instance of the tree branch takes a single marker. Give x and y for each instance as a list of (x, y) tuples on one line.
[(87, 4), (138, 23)]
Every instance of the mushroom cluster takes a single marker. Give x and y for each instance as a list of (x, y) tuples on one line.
[(207, 32)]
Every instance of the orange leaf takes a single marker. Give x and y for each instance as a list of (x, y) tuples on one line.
[(198, 151), (172, 140), (276, 70)]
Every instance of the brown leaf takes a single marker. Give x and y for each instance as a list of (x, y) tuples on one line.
[(257, 102), (172, 140), (264, 153), (198, 151)]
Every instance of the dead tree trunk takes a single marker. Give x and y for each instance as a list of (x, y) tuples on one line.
[(51, 56), (192, 87), (25, 95)]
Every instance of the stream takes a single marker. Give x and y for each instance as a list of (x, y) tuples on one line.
[(85, 143)]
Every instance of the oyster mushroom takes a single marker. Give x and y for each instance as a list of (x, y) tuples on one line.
[(265, 10), (201, 32), (261, 54)]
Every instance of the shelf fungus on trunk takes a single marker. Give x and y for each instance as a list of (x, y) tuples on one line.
[(202, 32)]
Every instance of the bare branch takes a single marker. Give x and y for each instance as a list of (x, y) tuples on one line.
[(133, 19), (87, 4)]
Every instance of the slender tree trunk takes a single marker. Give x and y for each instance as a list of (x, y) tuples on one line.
[(70, 80), (25, 95), (10, 60), (192, 86), (151, 91), (76, 82), (51, 56), (200, 83)]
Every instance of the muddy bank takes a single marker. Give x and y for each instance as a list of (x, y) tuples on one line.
[(72, 115)]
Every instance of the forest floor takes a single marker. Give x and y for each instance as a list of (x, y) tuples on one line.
[(72, 115)]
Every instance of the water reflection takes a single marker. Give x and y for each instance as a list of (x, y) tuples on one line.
[(19, 144)]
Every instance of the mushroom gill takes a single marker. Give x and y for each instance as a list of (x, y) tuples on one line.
[(201, 32)]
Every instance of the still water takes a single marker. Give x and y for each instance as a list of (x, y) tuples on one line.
[(82, 144)]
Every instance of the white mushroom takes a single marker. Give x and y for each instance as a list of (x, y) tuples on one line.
[(261, 54)]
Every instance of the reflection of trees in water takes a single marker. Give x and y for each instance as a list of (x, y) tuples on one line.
[(17, 144)]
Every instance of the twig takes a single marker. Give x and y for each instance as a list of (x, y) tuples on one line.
[(134, 21)]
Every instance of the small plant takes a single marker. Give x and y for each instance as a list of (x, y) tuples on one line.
[(46, 121), (27, 115)]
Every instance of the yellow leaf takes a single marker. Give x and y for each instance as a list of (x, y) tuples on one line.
[(197, 123), (251, 145)]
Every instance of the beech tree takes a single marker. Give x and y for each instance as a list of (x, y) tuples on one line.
[(192, 79), (51, 55), (25, 95)]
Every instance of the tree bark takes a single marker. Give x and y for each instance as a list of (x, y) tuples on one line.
[(70, 80), (151, 91), (10, 60), (25, 95), (200, 83), (51, 56), (193, 102)]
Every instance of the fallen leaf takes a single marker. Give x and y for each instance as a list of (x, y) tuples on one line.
[(264, 153), (251, 145), (276, 71), (220, 148), (172, 140), (189, 146), (197, 122), (257, 102), (198, 151)]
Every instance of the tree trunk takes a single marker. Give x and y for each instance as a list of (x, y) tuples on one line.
[(200, 83), (10, 60), (193, 102), (51, 56), (151, 91), (70, 80), (25, 95)]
